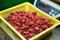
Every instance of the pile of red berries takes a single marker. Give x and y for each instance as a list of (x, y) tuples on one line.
[(28, 24)]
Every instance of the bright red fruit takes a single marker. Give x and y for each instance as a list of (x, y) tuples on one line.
[(27, 23)]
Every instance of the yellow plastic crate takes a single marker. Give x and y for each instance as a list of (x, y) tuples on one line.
[(29, 7)]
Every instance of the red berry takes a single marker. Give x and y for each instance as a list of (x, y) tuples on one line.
[(34, 13), (16, 27), (36, 28), (46, 20), (20, 31), (23, 20), (41, 29), (44, 27), (27, 32), (31, 22), (38, 22), (31, 29)]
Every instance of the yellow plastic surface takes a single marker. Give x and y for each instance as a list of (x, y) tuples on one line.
[(30, 8)]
